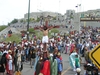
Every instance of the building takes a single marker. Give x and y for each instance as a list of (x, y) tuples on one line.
[(36, 15), (70, 14), (69, 19)]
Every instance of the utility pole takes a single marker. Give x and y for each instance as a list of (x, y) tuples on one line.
[(28, 20)]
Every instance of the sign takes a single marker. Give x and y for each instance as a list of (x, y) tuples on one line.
[(95, 56), (90, 19)]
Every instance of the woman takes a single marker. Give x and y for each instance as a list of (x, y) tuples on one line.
[(2, 64)]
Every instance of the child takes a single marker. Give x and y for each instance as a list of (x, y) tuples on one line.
[(60, 64), (77, 62)]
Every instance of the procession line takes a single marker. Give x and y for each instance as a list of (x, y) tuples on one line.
[(66, 71)]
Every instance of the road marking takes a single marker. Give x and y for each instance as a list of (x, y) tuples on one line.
[(66, 71)]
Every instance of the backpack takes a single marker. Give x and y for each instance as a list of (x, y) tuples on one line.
[(32, 53)]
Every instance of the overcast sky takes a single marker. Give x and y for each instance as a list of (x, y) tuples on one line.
[(10, 9)]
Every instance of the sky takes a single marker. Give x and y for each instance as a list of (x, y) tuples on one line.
[(11, 9)]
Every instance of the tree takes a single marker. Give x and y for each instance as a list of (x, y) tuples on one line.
[(8, 24), (14, 21), (32, 19), (71, 16), (24, 21), (38, 19), (21, 20), (54, 18)]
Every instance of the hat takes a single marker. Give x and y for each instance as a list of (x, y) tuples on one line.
[(51, 54), (41, 58), (59, 53), (9, 51), (9, 41), (40, 74), (78, 70), (18, 45)]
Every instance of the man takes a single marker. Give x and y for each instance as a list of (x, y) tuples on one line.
[(45, 39), (10, 33), (32, 53), (46, 66)]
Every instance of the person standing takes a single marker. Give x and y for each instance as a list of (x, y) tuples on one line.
[(59, 62), (10, 62), (16, 59), (3, 64), (19, 60), (72, 60), (39, 66), (32, 56), (10, 33), (46, 66), (77, 61)]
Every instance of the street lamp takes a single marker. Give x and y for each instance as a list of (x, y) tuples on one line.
[(28, 20)]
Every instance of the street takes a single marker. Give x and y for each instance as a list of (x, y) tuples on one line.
[(66, 67)]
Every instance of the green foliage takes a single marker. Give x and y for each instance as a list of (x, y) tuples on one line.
[(14, 21), (54, 30), (24, 21), (38, 19), (54, 18), (21, 20), (31, 30), (32, 19), (2, 27), (8, 24), (39, 34)]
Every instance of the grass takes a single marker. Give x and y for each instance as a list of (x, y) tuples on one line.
[(14, 37), (17, 37), (2, 27)]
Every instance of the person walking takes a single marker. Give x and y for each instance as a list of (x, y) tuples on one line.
[(10, 61), (32, 56), (3, 64)]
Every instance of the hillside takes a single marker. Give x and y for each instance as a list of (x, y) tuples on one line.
[(2, 27)]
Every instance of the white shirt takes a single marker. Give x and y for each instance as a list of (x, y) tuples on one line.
[(5, 51), (10, 58)]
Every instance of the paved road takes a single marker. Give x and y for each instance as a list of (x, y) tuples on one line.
[(66, 67)]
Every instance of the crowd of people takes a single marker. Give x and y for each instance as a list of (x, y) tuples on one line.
[(49, 61)]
